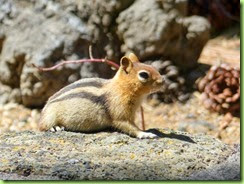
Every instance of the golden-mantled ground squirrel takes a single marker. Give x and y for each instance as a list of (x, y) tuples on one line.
[(94, 104)]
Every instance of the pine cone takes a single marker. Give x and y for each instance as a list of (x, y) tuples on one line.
[(173, 88), (221, 89)]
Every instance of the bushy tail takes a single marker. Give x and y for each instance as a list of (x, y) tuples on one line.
[(47, 121)]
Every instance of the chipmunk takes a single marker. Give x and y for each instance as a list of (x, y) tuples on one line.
[(94, 104)]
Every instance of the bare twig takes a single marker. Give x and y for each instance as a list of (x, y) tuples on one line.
[(111, 63), (142, 119)]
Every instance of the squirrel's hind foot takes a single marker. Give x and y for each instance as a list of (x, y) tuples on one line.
[(57, 129)]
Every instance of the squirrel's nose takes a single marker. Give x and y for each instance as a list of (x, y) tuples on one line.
[(160, 80)]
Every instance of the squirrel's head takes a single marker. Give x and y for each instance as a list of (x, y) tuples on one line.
[(141, 77)]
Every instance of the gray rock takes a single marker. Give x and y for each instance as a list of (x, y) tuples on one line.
[(160, 28), (6, 177), (27, 42), (111, 156), (45, 32), (227, 170)]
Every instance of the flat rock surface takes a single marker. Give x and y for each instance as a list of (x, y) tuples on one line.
[(110, 156)]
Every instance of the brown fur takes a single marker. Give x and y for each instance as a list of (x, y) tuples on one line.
[(105, 103)]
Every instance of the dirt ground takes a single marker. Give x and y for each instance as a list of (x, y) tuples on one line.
[(190, 116)]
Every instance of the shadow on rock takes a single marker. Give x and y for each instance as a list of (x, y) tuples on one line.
[(171, 135)]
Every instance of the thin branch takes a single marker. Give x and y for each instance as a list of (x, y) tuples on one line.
[(111, 63), (142, 119)]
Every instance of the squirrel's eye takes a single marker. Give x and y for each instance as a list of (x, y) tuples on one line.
[(143, 76)]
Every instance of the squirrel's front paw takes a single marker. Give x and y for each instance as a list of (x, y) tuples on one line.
[(143, 135)]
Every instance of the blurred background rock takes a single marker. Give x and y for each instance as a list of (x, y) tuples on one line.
[(181, 38)]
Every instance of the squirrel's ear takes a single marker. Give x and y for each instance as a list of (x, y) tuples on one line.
[(133, 57), (126, 64)]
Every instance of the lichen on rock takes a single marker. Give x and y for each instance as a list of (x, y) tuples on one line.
[(108, 155)]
